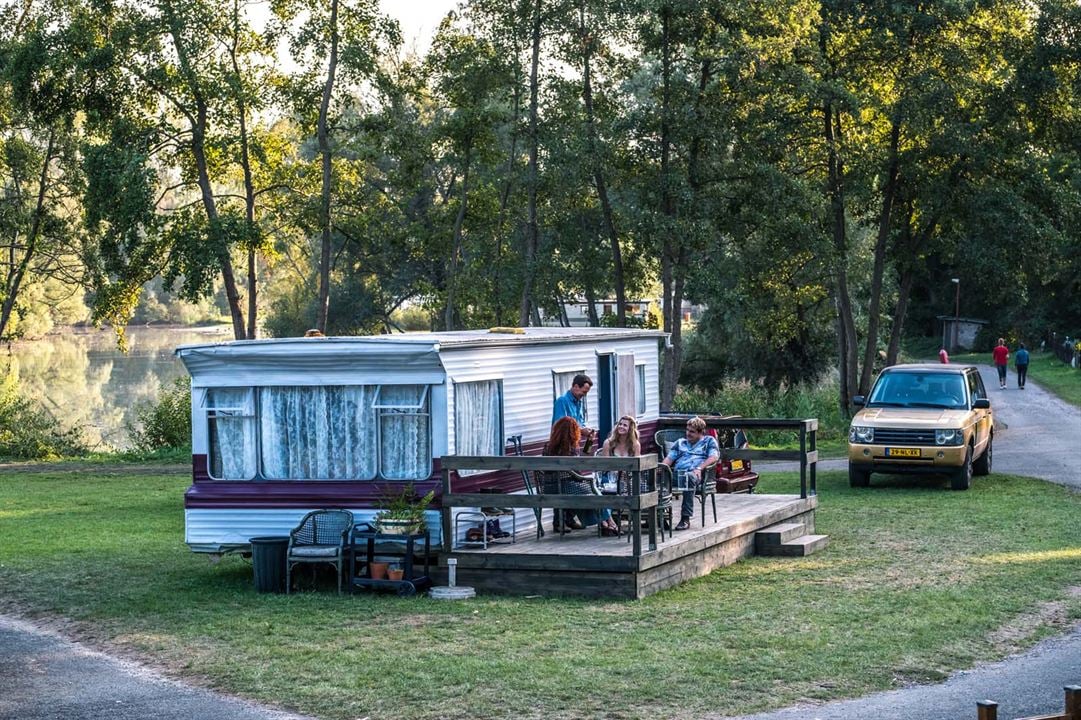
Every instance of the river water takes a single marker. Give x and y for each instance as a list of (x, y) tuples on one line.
[(81, 377)]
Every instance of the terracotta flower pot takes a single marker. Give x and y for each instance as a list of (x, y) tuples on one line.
[(378, 570), (393, 574)]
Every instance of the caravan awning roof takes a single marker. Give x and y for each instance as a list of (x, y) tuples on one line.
[(312, 361)]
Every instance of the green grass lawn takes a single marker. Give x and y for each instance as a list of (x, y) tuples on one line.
[(917, 581), (1044, 369)]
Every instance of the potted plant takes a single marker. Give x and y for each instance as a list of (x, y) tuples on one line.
[(403, 512), (395, 572)]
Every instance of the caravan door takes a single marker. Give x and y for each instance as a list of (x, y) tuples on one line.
[(616, 390)]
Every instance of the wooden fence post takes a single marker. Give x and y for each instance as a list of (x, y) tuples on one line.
[(1073, 702), (986, 710)]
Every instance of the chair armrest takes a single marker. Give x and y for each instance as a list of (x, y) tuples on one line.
[(591, 479)]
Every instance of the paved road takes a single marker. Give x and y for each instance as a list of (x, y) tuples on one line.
[(46, 677), (1023, 685)]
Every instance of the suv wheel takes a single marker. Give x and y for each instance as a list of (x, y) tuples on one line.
[(982, 464), (962, 478), (858, 478)]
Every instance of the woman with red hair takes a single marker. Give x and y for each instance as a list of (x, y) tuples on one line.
[(563, 440)]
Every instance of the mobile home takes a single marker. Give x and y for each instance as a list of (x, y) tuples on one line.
[(281, 427)]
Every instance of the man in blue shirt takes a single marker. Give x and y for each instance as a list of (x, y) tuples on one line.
[(1020, 361), (692, 455), (573, 403)]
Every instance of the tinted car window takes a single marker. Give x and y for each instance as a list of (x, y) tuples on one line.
[(912, 389)]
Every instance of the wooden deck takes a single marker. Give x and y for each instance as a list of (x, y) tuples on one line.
[(582, 564)]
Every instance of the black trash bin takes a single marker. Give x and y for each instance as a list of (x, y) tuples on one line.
[(268, 559)]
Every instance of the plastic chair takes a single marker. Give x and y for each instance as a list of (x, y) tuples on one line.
[(321, 537)]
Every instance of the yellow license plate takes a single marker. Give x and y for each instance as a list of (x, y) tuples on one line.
[(737, 464), (902, 452)]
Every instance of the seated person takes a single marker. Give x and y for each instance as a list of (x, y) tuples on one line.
[(692, 455), (564, 439)]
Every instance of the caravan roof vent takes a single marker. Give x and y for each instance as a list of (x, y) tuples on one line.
[(507, 330)]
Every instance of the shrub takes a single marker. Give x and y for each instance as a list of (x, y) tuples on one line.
[(166, 423), (742, 397), (29, 431)]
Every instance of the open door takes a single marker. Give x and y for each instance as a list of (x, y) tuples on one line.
[(617, 390)]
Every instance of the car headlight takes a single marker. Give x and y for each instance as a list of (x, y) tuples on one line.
[(949, 437), (861, 434)]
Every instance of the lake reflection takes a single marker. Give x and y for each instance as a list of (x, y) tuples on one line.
[(81, 377)]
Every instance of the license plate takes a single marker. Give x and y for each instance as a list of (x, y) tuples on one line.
[(902, 452), (737, 464)]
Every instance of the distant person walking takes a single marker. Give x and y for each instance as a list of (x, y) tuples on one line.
[(1020, 361), (943, 356), (1001, 356)]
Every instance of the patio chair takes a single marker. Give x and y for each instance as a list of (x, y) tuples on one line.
[(664, 440), (321, 537), (564, 482)]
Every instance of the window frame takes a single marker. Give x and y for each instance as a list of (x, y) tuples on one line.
[(252, 410)]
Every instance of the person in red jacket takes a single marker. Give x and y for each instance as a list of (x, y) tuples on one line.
[(1001, 356)]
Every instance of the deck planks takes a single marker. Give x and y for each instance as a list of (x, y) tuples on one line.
[(583, 564)]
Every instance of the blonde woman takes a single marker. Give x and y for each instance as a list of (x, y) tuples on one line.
[(623, 440)]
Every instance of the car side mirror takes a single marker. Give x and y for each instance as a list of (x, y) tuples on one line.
[(859, 400), (982, 404)]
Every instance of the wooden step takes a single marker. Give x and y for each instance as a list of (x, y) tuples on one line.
[(799, 547), (778, 534)]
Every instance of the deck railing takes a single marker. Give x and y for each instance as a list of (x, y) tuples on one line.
[(988, 710), (807, 431), (636, 503)]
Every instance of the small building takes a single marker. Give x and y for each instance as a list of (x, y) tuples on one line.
[(959, 332)]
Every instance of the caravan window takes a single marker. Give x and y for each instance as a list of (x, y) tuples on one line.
[(640, 377), (326, 433), (561, 383), (346, 432), (478, 419), (405, 435), (230, 417)]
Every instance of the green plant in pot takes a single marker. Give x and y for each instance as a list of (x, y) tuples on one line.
[(403, 512)]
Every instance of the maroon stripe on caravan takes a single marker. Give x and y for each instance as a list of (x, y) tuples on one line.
[(206, 492)]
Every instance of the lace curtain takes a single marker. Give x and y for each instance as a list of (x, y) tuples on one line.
[(321, 433), (478, 419), (405, 443), (231, 426)]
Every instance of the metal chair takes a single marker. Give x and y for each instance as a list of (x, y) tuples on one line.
[(321, 537)]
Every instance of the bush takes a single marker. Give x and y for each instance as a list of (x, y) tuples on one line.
[(165, 424), (30, 432), (742, 397)]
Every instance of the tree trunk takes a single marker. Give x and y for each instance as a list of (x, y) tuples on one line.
[(671, 277), (846, 325), (888, 193), (456, 249), (532, 240), (323, 135), (17, 274), (198, 150), (249, 185), (598, 171), (504, 198)]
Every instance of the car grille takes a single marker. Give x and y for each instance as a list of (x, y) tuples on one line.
[(904, 436)]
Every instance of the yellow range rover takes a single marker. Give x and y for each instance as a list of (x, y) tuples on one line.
[(922, 419)]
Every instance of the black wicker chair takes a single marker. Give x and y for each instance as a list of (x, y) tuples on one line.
[(321, 537), (564, 482), (707, 487)]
